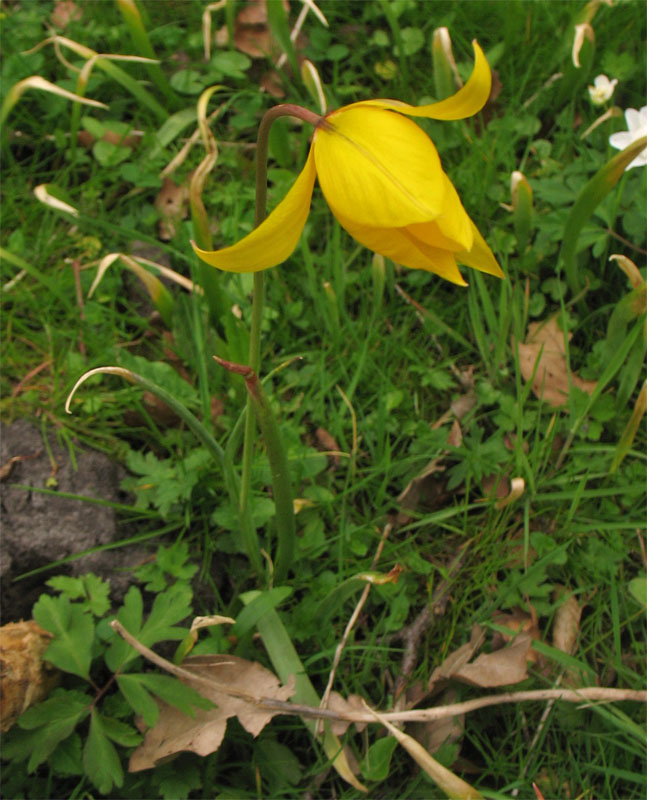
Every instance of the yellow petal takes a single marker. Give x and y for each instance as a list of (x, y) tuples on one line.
[(378, 168), (452, 230), (276, 237), (401, 246), (480, 256), (465, 103)]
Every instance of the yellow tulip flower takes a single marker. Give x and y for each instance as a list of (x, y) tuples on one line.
[(383, 180)]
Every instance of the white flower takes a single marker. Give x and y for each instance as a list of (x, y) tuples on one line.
[(637, 124), (602, 89)]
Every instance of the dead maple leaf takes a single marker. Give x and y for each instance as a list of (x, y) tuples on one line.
[(552, 381), (203, 733)]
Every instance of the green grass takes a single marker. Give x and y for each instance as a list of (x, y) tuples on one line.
[(577, 524)]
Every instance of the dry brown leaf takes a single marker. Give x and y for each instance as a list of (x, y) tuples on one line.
[(545, 341), (425, 485), (252, 34), (455, 438), (567, 625), (203, 733), (353, 703), (271, 83), (520, 622), (327, 442), (433, 734), (172, 205), (24, 677), (457, 659), (500, 668), (65, 12)]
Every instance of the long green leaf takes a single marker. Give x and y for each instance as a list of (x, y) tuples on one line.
[(279, 466), (286, 662), (589, 198)]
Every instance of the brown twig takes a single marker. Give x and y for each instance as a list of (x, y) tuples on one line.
[(585, 695), (411, 635)]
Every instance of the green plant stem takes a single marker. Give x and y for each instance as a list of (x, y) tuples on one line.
[(244, 503)]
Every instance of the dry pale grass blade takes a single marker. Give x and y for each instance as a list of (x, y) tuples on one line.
[(43, 193), (36, 82), (451, 784), (630, 270), (121, 371), (206, 25), (181, 156), (312, 82), (614, 111), (135, 264), (582, 31), (198, 211), (517, 488), (542, 360), (86, 70)]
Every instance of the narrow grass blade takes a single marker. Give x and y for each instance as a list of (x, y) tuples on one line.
[(140, 39), (631, 428), (589, 198), (159, 294), (192, 422), (277, 19), (286, 662), (47, 282)]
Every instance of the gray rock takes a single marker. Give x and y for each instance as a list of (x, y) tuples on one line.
[(38, 529)]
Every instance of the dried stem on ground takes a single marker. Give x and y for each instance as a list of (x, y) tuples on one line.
[(584, 696)]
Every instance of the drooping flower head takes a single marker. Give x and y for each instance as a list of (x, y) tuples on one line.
[(602, 89), (382, 178), (637, 128)]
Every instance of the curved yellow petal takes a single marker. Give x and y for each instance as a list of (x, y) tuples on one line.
[(452, 229), (276, 237), (378, 168), (480, 256), (401, 246), (465, 103)]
